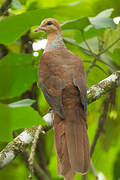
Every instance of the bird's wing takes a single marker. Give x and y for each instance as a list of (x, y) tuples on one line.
[(51, 86), (79, 80)]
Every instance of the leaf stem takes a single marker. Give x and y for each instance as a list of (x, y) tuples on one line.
[(111, 45), (84, 39)]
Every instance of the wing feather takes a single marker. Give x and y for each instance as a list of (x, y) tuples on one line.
[(51, 86)]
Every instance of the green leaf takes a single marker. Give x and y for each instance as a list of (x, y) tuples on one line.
[(115, 55), (72, 41), (103, 20), (19, 24), (79, 24), (22, 103), (49, 143), (17, 118), (17, 74), (42, 103), (93, 44), (106, 59), (52, 167), (94, 73), (15, 170), (16, 4), (111, 36), (116, 167), (106, 13)]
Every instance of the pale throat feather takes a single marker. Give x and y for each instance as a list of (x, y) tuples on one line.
[(54, 43)]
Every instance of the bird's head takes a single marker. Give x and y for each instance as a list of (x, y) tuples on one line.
[(49, 25)]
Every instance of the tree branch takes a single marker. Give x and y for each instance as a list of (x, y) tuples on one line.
[(18, 145), (111, 45), (71, 41), (104, 86), (32, 154), (93, 170), (39, 173), (87, 45), (91, 66), (27, 136), (100, 123)]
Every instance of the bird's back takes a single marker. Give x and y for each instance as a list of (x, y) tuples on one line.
[(64, 65)]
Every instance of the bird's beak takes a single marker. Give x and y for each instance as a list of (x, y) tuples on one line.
[(38, 29)]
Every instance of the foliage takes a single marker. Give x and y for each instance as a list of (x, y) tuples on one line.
[(88, 30)]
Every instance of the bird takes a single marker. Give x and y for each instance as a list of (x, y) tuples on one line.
[(62, 79)]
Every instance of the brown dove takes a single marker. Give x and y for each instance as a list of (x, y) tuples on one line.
[(63, 82)]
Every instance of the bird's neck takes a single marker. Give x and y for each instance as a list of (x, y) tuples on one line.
[(55, 42)]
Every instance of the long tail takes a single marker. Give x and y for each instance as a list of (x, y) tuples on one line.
[(72, 144)]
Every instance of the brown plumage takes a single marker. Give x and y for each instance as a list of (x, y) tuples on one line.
[(62, 80)]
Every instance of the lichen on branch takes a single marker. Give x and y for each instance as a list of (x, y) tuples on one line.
[(104, 86)]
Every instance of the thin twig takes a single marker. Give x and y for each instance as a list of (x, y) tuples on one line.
[(100, 44), (32, 154), (110, 46), (87, 61), (96, 65), (101, 69), (38, 172), (40, 154), (100, 124), (94, 170), (71, 41), (84, 39), (99, 54), (96, 56), (84, 177), (91, 66)]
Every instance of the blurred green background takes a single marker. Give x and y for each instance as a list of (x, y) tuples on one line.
[(91, 29)]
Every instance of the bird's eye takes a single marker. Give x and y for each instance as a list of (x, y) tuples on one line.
[(49, 23)]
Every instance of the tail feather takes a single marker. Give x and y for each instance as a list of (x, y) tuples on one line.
[(72, 145), (67, 173), (61, 146), (70, 175), (77, 141)]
